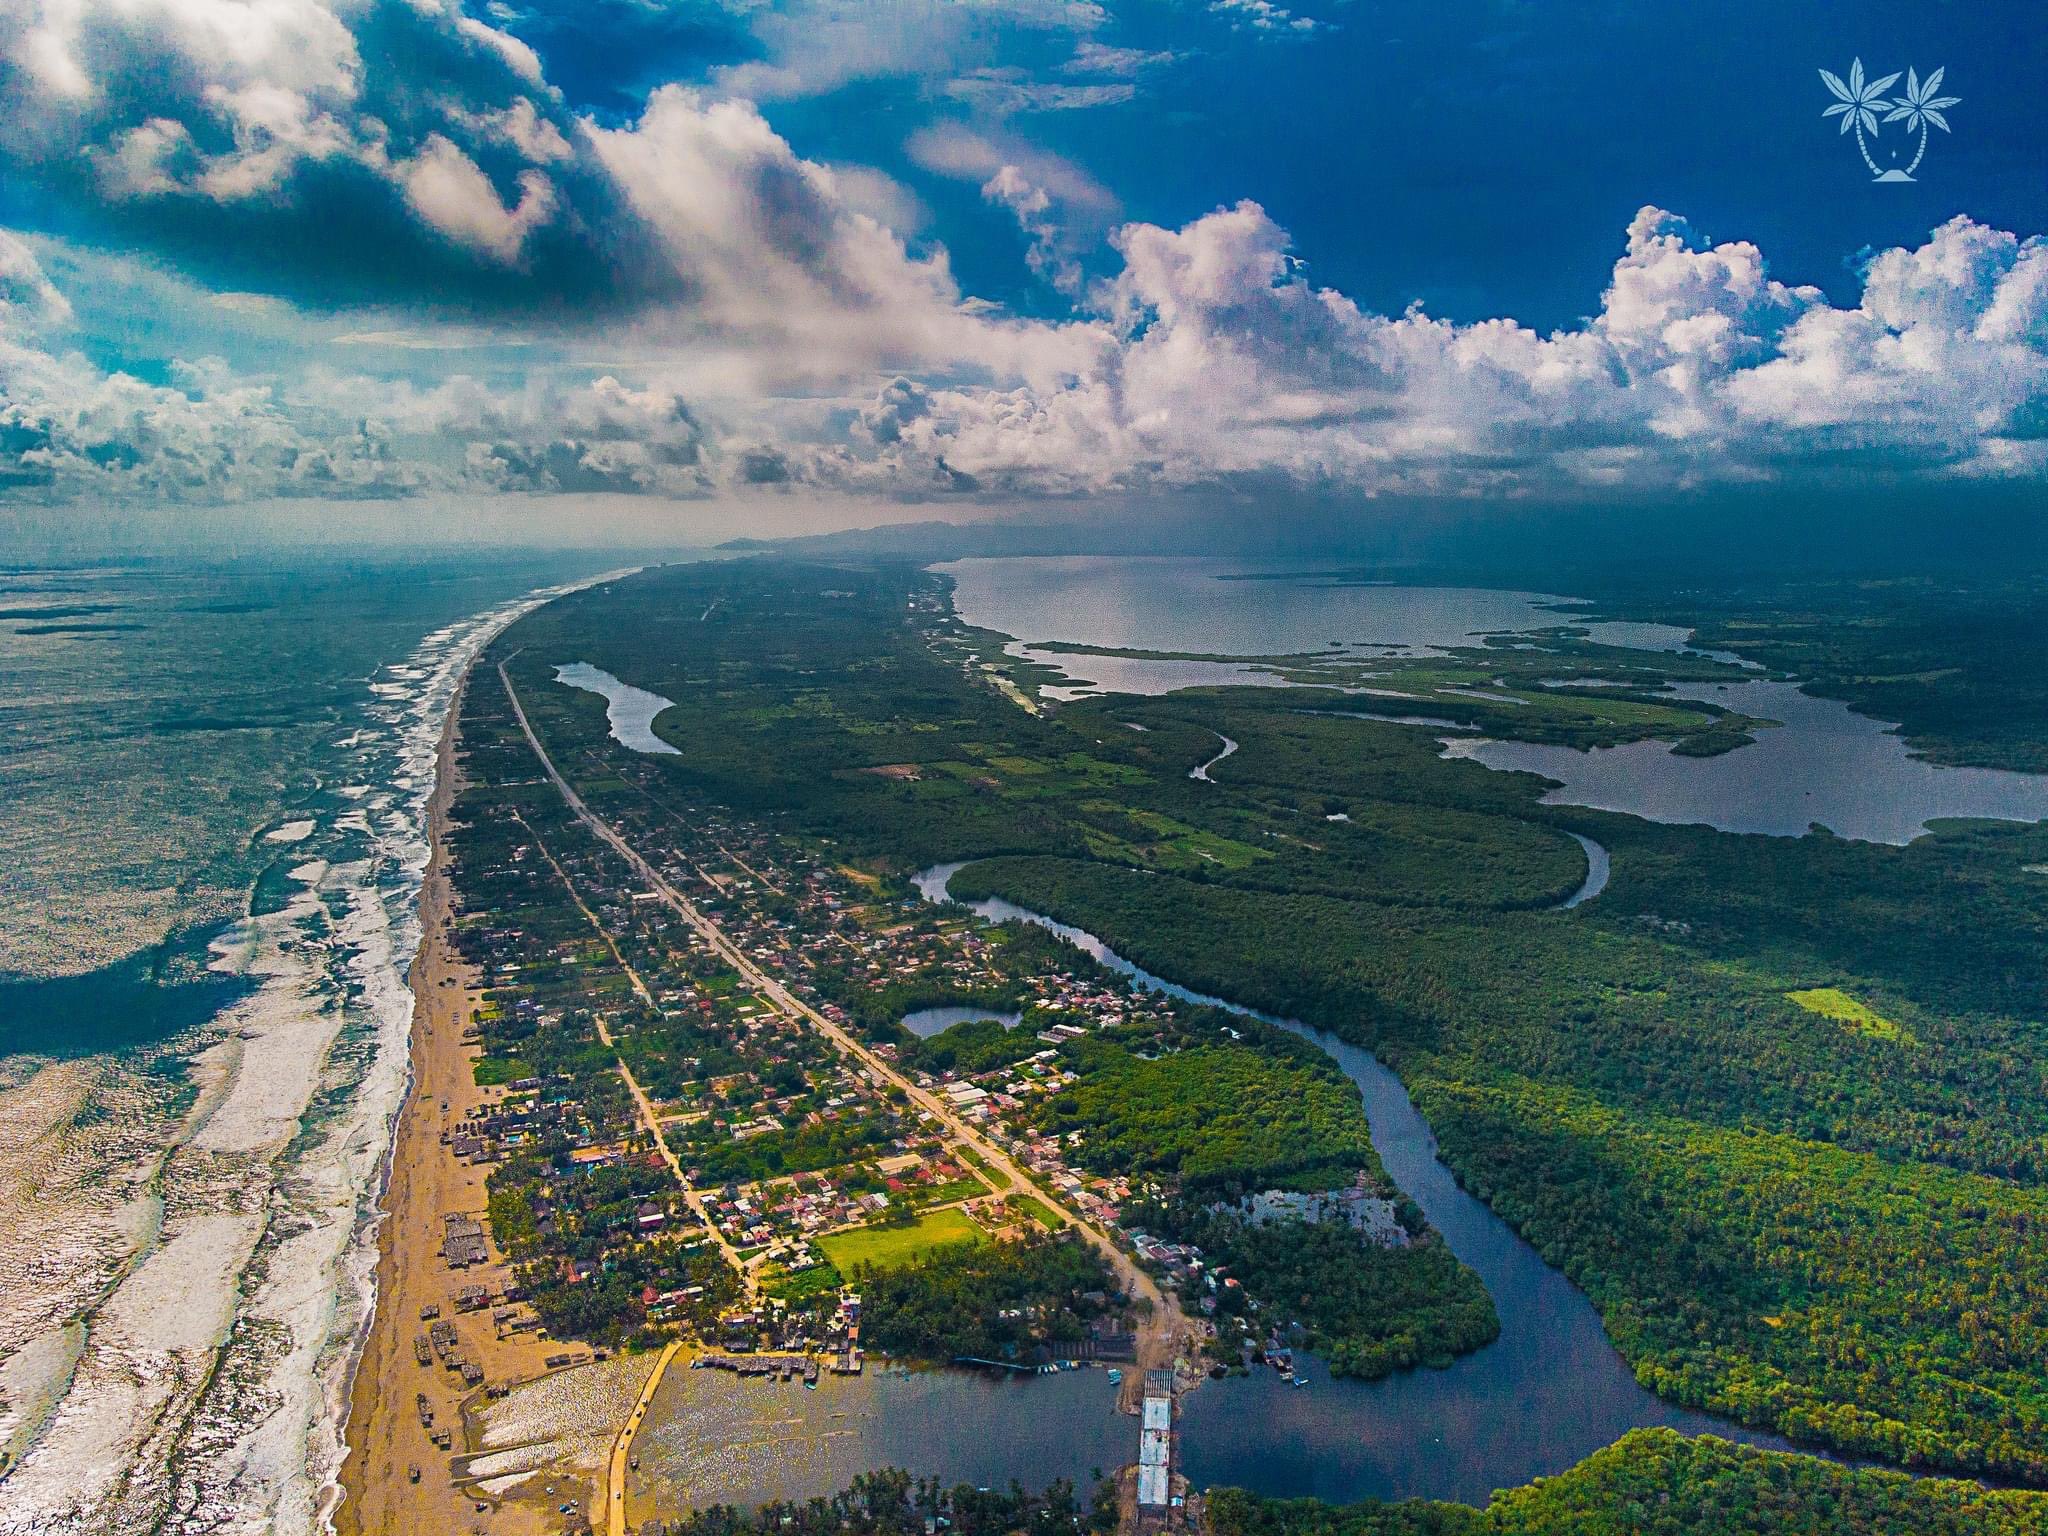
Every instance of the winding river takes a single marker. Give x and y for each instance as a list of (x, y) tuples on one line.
[(1201, 770), (1547, 1393)]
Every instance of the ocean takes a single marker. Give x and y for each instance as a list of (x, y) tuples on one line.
[(212, 789)]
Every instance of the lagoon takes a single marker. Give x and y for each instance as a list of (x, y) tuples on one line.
[(1822, 764), (1219, 607), (630, 710)]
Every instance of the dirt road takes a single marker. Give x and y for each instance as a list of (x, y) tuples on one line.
[(1160, 1330)]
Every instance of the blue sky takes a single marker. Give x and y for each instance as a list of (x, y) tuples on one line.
[(1481, 156), (993, 252)]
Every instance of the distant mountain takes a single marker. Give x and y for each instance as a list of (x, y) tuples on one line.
[(933, 540)]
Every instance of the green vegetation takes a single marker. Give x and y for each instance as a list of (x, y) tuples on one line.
[(1779, 1217), (492, 1071), (890, 1503), (1834, 1003), (1367, 1309), (996, 1301), (891, 1247), (1039, 1211), (716, 1159), (979, 1045), (1222, 1117), (1955, 660), (1655, 1482)]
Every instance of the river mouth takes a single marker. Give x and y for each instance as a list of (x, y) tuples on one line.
[(1547, 1393)]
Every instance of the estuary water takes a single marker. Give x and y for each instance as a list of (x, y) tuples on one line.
[(1548, 1392), (713, 1438), (209, 869), (1820, 764)]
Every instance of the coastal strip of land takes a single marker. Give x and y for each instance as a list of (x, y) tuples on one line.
[(1161, 1322), (399, 1407)]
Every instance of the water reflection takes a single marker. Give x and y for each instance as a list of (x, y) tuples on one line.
[(1823, 763), (713, 1438), (1221, 607), (926, 1022), (1548, 1392), (630, 710)]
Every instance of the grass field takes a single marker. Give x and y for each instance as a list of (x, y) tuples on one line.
[(489, 1071), (1040, 1212), (889, 1247), (1834, 1003)]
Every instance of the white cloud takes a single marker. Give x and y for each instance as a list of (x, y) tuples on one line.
[(1698, 369), (816, 46), (767, 324), (786, 281), (1265, 17), (446, 189), (1093, 58), (1031, 206), (29, 301)]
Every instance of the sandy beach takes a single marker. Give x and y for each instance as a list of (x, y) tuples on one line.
[(385, 1432)]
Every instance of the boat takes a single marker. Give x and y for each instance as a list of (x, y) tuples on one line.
[(1115, 1375), (1298, 1380)]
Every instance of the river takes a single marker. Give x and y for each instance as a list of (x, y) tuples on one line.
[(1547, 1393)]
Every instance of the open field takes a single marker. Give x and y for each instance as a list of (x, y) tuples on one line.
[(891, 1247), (1834, 1003)]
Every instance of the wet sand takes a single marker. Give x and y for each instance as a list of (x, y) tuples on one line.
[(385, 1435)]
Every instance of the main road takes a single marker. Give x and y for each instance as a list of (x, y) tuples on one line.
[(1160, 1333)]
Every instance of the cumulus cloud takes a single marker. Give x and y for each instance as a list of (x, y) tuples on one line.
[(29, 301), (69, 427), (1209, 359), (1060, 208), (710, 311), (328, 147), (450, 193), (1699, 369)]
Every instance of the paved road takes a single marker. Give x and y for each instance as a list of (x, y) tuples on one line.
[(1165, 1312)]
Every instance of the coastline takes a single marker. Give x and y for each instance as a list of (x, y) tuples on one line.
[(383, 1435)]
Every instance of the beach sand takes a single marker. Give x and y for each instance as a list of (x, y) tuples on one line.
[(385, 1435)]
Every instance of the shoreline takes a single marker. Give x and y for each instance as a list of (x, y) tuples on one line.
[(383, 1435)]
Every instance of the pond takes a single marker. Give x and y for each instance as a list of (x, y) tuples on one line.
[(926, 1022)]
